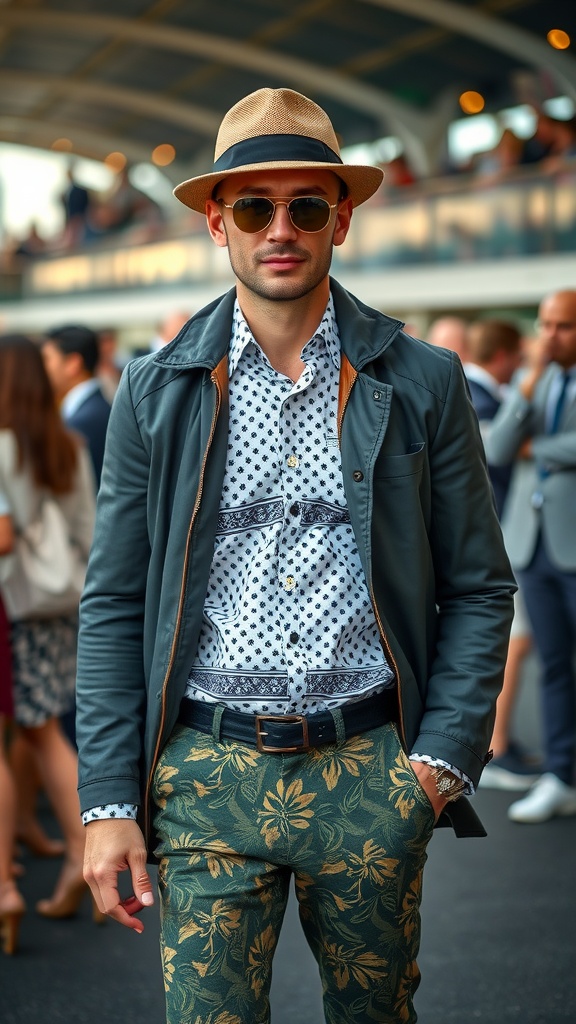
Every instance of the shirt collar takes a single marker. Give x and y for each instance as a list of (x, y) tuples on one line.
[(326, 334), (485, 379), (74, 398)]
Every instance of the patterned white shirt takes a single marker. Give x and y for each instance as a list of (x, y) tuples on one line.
[(288, 624)]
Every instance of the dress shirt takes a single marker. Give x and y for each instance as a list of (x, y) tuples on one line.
[(481, 376), (554, 393), (288, 621), (288, 626), (77, 395)]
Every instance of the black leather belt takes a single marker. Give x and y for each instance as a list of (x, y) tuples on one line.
[(288, 734)]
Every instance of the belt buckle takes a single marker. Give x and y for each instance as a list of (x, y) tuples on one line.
[(261, 733)]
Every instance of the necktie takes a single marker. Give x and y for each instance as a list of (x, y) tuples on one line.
[(556, 414), (560, 403)]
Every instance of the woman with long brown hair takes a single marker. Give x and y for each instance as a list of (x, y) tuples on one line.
[(39, 458)]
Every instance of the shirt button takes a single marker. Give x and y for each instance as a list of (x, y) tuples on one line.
[(357, 476), (293, 462), (289, 583), (294, 509), (377, 395), (294, 638)]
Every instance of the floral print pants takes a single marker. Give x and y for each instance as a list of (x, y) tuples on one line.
[(349, 820)]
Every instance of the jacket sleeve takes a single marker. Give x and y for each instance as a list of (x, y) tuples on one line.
[(474, 588), (512, 425), (111, 690), (556, 452)]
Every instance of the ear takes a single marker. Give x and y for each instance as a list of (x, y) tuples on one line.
[(343, 218), (216, 223)]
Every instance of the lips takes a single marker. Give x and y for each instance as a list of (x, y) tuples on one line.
[(282, 261)]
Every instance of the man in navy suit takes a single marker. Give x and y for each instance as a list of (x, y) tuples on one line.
[(494, 353), (71, 357)]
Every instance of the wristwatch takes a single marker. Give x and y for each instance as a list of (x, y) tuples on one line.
[(448, 785)]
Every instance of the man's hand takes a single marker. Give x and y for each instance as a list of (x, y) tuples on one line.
[(428, 783), (537, 359), (114, 845)]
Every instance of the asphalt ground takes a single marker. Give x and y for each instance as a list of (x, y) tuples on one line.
[(499, 939)]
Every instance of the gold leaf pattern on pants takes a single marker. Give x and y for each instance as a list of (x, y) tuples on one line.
[(349, 821)]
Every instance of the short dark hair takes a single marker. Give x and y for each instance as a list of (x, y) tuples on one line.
[(487, 337), (75, 338)]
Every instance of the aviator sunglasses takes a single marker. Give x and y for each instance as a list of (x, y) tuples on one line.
[(254, 213)]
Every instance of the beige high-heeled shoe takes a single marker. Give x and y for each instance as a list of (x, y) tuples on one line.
[(40, 844), (67, 903), (12, 909)]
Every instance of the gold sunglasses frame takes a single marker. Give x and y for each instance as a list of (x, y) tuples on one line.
[(280, 201)]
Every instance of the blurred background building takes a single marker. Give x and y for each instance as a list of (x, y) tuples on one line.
[(106, 104)]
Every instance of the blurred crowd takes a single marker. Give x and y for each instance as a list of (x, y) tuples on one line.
[(524, 393), (551, 149), (90, 217), (55, 401)]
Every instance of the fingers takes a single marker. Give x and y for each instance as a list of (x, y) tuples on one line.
[(143, 887), (113, 846)]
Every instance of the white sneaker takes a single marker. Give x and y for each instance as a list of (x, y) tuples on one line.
[(547, 798)]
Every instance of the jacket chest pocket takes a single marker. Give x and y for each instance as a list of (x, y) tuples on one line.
[(396, 467)]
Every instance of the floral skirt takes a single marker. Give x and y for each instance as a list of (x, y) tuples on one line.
[(43, 668)]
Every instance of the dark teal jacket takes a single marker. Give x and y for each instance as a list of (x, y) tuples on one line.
[(422, 512)]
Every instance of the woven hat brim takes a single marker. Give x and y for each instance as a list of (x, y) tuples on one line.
[(362, 180)]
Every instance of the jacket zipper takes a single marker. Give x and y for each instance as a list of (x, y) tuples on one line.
[(214, 379), (384, 638), (392, 659)]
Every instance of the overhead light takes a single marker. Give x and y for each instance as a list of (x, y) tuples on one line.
[(471, 102), (559, 39), (115, 161), (62, 145), (163, 154)]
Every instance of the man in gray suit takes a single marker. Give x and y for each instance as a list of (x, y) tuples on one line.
[(538, 424)]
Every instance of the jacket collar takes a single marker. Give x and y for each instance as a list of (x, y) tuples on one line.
[(204, 341)]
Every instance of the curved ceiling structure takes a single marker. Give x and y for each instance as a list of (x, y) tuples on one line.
[(129, 75)]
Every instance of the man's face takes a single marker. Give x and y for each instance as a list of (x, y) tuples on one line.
[(55, 362), (557, 325), (279, 263)]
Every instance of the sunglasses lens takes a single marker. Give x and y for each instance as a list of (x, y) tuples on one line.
[(255, 213), (252, 214), (309, 213)]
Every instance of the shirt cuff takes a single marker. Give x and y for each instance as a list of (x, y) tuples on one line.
[(109, 811), (437, 762)]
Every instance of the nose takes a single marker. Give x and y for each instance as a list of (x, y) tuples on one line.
[(281, 227)]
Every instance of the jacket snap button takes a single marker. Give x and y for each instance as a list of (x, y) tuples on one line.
[(377, 395), (357, 476)]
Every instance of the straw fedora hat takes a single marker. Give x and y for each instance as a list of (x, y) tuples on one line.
[(277, 129)]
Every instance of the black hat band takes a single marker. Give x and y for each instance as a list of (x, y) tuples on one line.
[(269, 148)]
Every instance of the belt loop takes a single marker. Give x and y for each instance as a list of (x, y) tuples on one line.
[(339, 724), (216, 722)]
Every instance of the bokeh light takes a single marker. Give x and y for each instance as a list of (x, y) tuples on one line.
[(559, 39), (471, 102), (62, 145), (163, 154), (116, 161)]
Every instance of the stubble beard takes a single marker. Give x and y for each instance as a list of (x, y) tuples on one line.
[(281, 288)]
